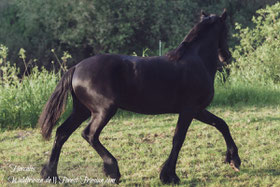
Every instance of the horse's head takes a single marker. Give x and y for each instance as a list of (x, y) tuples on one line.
[(216, 27), (220, 24), (224, 53)]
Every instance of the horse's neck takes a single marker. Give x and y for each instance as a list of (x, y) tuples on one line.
[(207, 50)]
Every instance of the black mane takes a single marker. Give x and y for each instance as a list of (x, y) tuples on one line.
[(192, 36)]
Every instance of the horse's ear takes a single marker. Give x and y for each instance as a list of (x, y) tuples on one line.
[(224, 15), (202, 13)]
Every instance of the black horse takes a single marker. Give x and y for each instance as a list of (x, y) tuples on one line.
[(180, 82)]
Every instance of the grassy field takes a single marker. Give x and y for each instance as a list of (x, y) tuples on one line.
[(141, 144)]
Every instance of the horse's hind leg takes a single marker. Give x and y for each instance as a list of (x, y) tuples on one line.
[(78, 115), (232, 156), (91, 135)]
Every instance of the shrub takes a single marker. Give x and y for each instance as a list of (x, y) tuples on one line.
[(257, 58), (22, 99)]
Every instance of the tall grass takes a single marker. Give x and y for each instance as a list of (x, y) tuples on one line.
[(236, 91), (241, 93), (22, 99)]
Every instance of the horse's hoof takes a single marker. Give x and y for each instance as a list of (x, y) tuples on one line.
[(112, 171), (234, 167), (117, 181), (48, 174), (235, 163), (233, 160), (174, 179), (169, 178)]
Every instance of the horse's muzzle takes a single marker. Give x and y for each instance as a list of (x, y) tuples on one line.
[(224, 56), (224, 59)]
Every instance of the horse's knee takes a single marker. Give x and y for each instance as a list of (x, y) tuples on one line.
[(84, 135), (92, 139)]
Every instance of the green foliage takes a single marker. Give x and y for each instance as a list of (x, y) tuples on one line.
[(22, 100), (88, 27), (257, 58)]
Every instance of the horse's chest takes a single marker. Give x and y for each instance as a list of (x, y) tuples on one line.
[(198, 92), (206, 99)]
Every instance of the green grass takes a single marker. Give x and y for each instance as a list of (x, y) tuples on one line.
[(142, 143), (239, 93)]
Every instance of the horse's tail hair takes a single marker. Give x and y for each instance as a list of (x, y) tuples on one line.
[(55, 106)]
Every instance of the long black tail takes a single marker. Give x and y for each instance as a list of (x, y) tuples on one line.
[(56, 104)]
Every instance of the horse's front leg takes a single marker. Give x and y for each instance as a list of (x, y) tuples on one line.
[(168, 173), (232, 156)]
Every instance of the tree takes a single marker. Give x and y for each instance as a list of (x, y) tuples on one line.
[(88, 27)]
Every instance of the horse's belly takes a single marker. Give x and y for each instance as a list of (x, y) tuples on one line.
[(149, 109), (150, 104)]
